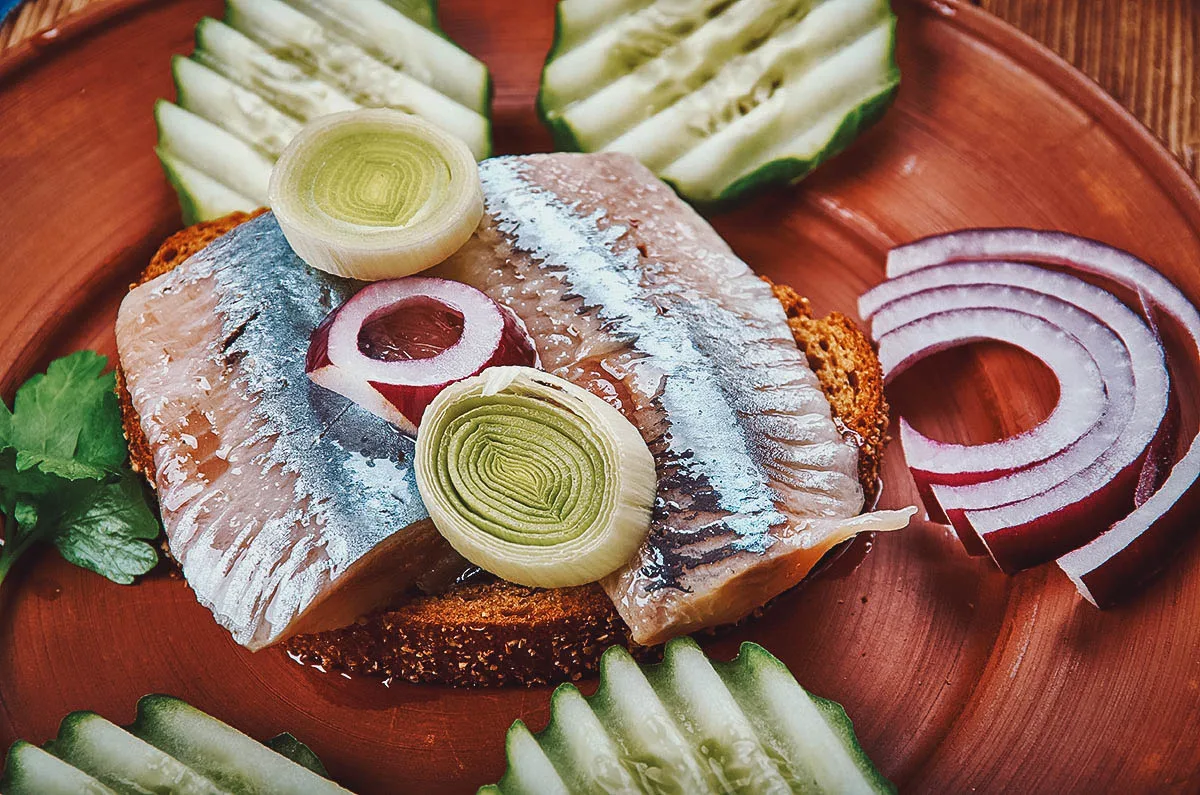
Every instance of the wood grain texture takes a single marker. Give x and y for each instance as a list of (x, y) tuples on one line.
[(1143, 52), (1146, 53)]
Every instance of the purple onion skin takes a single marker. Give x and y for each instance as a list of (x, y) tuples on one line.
[(515, 348), (972, 543), (1126, 573), (1051, 536), (1160, 456), (318, 345)]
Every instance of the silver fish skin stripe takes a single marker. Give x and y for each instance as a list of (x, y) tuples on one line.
[(357, 468), (725, 408), (355, 483)]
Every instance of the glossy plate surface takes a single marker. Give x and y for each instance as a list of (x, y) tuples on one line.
[(957, 677)]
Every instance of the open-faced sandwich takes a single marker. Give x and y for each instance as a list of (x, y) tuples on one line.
[(479, 421), (673, 443)]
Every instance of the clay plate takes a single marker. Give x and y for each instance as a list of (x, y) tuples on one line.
[(957, 677)]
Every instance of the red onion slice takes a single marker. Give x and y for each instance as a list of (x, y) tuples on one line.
[(1116, 371), (1135, 547), (396, 344), (1080, 405), (1138, 399)]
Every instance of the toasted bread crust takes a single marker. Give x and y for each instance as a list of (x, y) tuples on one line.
[(842, 356), (490, 634), (498, 633)]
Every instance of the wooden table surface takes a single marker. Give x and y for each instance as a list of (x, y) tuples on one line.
[(1143, 52)]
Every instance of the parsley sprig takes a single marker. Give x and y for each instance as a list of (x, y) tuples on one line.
[(63, 474)]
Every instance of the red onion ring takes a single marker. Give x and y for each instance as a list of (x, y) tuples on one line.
[(400, 390), (1135, 547), (1080, 405), (1137, 396)]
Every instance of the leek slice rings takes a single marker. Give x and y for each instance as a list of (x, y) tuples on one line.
[(534, 479), (375, 194)]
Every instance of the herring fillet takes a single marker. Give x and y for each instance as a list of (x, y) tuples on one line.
[(627, 292), (276, 495)]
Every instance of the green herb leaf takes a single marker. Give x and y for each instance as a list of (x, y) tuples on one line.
[(15, 484), (5, 426), (26, 515), (67, 422), (105, 528), (21, 531), (63, 476)]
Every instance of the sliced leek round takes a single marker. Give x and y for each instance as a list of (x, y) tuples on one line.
[(375, 194), (534, 479)]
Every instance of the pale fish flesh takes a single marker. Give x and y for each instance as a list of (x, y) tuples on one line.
[(289, 508), (628, 292)]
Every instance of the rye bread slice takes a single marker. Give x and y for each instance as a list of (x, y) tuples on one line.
[(496, 633)]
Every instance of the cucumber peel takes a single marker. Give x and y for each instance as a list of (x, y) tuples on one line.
[(208, 148), (720, 99), (29, 770), (171, 748), (269, 67), (287, 745), (690, 725), (423, 12), (200, 196)]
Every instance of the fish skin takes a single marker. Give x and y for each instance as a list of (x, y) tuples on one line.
[(627, 292), (275, 494)]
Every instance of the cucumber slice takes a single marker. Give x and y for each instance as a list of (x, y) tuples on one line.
[(530, 771), (653, 747), (423, 12), (208, 148), (694, 102), (811, 737), (720, 99), (634, 96), (589, 759), (617, 49), (226, 104), (388, 35), (174, 749), (803, 121), (31, 771), (200, 196), (690, 726), (716, 727), (229, 758), (588, 16), (295, 37), (121, 761), (281, 84), (745, 83)]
